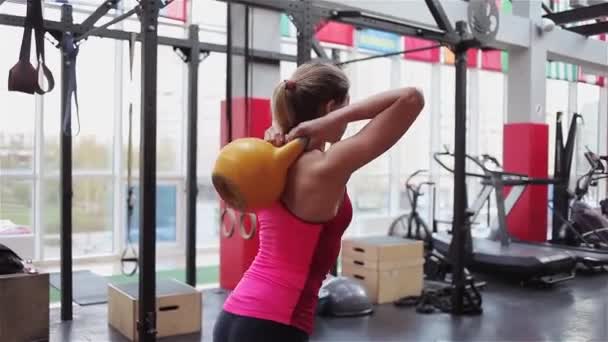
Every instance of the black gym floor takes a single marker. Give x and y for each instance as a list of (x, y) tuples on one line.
[(573, 311)]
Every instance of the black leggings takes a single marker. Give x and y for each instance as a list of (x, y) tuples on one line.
[(234, 328)]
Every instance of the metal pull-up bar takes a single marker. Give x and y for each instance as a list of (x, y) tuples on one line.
[(439, 15), (591, 29), (578, 14), (101, 11)]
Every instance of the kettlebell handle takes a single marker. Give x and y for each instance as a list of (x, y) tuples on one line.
[(290, 152)]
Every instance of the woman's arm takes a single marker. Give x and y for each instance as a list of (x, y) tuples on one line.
[(391, 113)]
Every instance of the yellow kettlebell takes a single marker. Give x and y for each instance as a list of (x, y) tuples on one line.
[(250, 173)]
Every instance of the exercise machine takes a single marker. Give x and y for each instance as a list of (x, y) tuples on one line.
[(585, 256), (500, 253), (411, 225), (587, 226)]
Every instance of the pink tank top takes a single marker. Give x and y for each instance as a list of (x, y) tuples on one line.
[(294, 256)]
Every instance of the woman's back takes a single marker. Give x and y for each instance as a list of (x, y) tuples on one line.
[(310, 195), (294, 257)]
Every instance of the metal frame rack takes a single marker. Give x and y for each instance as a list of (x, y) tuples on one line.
[(305, 14)]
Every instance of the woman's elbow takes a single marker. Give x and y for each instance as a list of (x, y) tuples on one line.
[(414, 98)]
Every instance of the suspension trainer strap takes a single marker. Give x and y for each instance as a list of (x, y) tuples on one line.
[(23, 77), (130, 193)]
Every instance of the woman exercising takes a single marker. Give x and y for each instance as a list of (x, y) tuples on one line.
[(300, 236)]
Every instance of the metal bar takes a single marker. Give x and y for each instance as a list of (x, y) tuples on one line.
[(102, 10), (318, 49), (259, 55), (390, 54), (229, 52), (66, 183), (591, 29), (276, 5), (110, 23), (459, 227), (191, 176), (147, 172), (501, 210), (578, 14), (305, 32), (482, 197), (559, 190), (398, 27), (439, 15), (545, 8), (333, 11)]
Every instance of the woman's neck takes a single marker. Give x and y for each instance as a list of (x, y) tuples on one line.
[(320, 147)]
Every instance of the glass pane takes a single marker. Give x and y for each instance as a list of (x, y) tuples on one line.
[(170, 111), (166, 214), (92, 147), (212, 71), (491, 116), (17, 124), (448, 79), (369, 193), (51, 216), (557, 101), (371, 77), (446, 138), (415, 147), (51, 110), (209, 13), (16, 206), (588, 135), (207, 215), (92, 213)]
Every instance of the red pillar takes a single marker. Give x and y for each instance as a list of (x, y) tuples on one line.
[(238, 231), (525, 150)]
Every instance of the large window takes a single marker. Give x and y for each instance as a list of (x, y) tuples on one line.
[(414, 149), (588, 137), (166, 214), (369, 187), (556, 101), (491, 115), (17, 153), (446, 139), (18, 118), (92, 153), (211, 93), (16, 204)]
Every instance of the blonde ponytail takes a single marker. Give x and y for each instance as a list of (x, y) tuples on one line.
[(282, 108)]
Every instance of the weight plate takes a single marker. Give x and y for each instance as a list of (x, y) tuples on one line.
[(483, 20)]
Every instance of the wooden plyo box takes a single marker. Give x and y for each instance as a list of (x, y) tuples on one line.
[(178, 308), (24, 307), (390, 268)]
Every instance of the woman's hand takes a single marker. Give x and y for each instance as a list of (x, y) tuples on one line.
[(275, 136), (318, 131)]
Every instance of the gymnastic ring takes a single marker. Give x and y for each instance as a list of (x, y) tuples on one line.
[(254, 225), (227, 233)]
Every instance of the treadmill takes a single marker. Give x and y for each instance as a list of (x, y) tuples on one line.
[(501, 254), (588, 257)]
